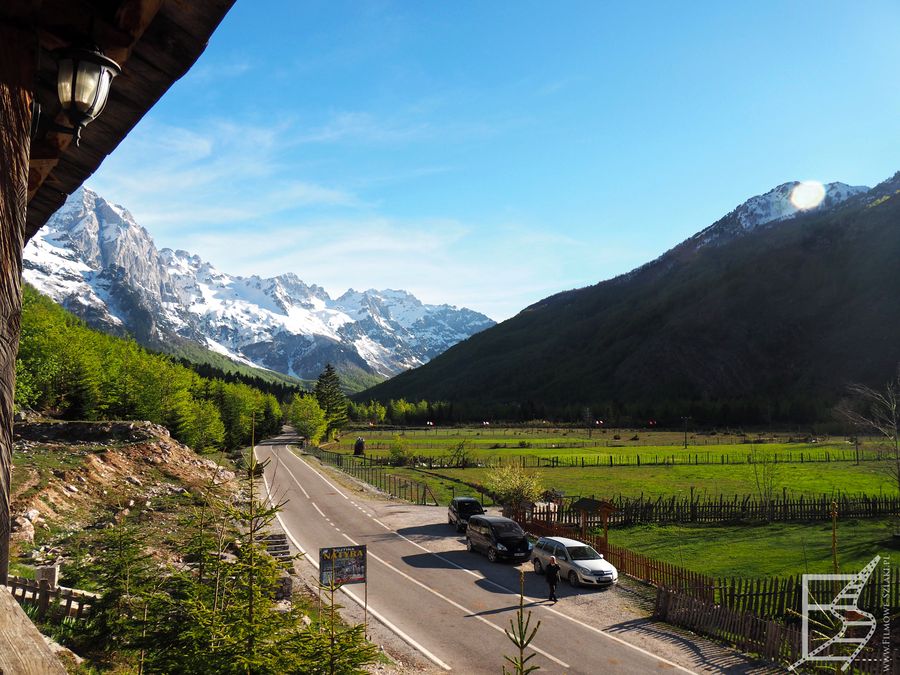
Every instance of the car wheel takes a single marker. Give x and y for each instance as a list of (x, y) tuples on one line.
[(469, 546), (492, 554), (538, 568), (449, 520), (573, 579)]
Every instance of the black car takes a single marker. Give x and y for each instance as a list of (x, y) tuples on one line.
[(498, 537), (460, 510)]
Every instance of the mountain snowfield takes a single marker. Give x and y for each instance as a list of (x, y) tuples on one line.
[(95, 260)]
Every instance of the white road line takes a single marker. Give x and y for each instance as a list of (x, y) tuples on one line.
[(494, 583), (321, 513), (469, 612), (328, 482), (359, 601)]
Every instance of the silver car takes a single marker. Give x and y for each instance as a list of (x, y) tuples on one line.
[(578, 562)]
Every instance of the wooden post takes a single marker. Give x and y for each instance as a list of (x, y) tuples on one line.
[(18, 49), (834, 515)]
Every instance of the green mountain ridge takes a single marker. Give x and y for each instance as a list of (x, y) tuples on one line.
[(768, 326)]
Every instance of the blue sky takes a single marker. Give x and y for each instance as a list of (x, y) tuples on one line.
[(490, 154)]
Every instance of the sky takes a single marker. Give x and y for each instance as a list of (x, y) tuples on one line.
[(488, 155)]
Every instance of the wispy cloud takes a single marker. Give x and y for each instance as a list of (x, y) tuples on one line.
[(177, 179), (362, 126)]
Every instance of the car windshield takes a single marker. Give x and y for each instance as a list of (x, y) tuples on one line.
[(474, 507), (583, 553), (507, 528)]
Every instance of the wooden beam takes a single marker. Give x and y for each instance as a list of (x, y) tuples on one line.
[(17, 65), (22, 649)]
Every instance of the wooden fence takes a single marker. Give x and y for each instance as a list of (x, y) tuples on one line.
[(747, 508), (51, 603), (782, 597), (688, 457), (373, 473), (769, 638)]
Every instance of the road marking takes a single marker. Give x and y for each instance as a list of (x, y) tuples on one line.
[(459, 606), (328, 482), (359, 601), (321, 513), (502, 587)]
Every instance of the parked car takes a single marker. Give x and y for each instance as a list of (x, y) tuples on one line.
[(460, 509), (498, 537), (579, 563)]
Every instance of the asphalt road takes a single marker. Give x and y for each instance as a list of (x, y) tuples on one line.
[(451, 607)]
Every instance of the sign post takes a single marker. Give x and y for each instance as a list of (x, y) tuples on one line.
[(339, 565)]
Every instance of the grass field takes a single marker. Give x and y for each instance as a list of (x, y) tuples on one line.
[(665, 481), (727, 550), (778, 549), (623, 445)]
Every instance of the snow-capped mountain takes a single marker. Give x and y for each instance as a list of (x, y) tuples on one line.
[(773, 206), (765, 210), (94, 259)]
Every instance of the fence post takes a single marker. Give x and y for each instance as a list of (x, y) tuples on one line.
[(43, 597)]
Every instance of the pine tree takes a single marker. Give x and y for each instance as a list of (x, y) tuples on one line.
[(332, 400)]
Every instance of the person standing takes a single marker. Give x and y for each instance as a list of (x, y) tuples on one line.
[(552, 577)]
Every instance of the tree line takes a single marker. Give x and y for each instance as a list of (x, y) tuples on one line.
[(70, 371), (666, 414)]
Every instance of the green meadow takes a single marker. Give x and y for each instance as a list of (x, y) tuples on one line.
[(747, 550)]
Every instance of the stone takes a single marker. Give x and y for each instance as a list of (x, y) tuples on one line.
[(32, 514), (134, 481), (22, 530)]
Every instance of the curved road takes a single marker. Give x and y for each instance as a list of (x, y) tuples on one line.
[(450, 607)]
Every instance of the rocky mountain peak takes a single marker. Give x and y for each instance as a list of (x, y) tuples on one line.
[(771, 207), (95, 259)]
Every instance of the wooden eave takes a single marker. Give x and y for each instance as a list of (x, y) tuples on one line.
[(154, 41)]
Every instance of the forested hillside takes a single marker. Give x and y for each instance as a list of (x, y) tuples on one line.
[(68, 370), (762, 326)]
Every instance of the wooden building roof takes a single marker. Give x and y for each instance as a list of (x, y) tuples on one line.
[(155, 42)]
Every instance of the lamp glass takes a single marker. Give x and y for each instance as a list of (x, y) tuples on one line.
[(83, 83)]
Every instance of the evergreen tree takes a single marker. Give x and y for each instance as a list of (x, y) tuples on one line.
[(332, 400)]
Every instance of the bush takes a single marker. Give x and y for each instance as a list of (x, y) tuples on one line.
[(398, 452), (513, 486)]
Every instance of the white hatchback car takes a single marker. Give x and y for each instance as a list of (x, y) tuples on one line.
[(580, 564)]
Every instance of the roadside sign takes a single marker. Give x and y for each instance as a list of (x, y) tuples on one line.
[(343, 564)]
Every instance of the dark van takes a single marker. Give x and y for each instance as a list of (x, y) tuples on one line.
[(499, 538), (460, 510)]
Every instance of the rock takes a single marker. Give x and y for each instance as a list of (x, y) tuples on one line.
[(71, 488), (32, 514), (22, 530), (130, 503), (134, 481)]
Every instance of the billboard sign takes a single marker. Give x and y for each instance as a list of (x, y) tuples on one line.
[(342, 564)]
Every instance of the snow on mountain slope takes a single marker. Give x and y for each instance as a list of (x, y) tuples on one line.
[(773, 206), (94, 259)]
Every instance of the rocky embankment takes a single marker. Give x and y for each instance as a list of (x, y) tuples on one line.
[(71, 476)]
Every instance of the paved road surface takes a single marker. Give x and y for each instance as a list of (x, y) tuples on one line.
[(451, 607)]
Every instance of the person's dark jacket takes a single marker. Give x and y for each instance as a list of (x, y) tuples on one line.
[(552, 573)]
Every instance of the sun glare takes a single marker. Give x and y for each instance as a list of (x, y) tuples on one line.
[(807, 194)]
